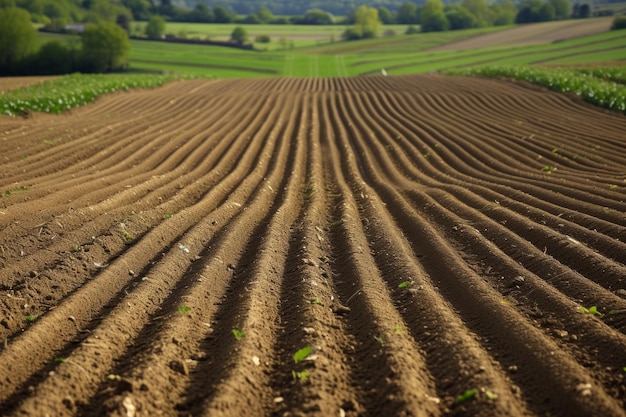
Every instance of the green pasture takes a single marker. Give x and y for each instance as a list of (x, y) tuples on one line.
[(401, 54)]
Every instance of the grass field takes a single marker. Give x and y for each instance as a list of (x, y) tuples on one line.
[(400, 54)]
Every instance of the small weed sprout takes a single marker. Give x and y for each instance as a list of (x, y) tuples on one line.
[(74, 248), (404, 284), (302, 354), (380, 340), (591, 310), (169, 215), (317, 301), (30, 318), (467, 395), (612, 187), (60, 360), (490, 395), (398, 329), (184, 309), (238, 334), (299, 375), (308, 192), (548, 169), (336, 223)]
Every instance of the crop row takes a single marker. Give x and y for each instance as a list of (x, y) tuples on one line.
[(63, 93), (588, 85)]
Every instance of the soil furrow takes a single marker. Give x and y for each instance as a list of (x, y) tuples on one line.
[(415, 245)]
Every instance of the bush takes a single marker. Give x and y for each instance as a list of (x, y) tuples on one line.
[(619, 23), (412, 30), (262, 39)]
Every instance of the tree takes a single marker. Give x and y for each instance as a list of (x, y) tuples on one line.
[(139, 8), (562, 9), (105, 47), (546, 12), (407, 14), (480, 10), (317, 17), (221, 15), (264, 14), (239, 35), (155, 29), (18, 37), (54, 58), (433, 18), (503, 13), (385, 16), (366, 23), (460, 18)]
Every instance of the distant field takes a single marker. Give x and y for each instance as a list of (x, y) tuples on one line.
[(401, 54), (298, 35)]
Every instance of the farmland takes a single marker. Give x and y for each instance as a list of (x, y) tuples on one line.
[(412, 245), (554, 43)]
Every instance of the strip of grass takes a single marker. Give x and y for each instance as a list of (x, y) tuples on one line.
[(591, 89), (63, 93)]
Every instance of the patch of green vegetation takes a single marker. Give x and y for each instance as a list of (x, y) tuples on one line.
[(593, 310), (238, 334), (60, 360), (404, 284), (302, 354), (548, 169), (591, 89), (184, 309), (15, 190), (63, 93), (467, 395), (30, 318), (299, 375), (74, 247)]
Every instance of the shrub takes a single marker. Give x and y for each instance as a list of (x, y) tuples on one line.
[(262, 39), (619, 23)]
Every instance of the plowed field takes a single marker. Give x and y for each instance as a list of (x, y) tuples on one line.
[(167, 252)]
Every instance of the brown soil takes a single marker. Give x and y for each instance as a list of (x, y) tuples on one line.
[(402, 227), (536, 33), (11, 83)]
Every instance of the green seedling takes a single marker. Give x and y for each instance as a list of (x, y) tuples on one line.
[(308, 193), (405, 284), (548, 169), (16, 190), (302, 354), (317, 301), (60, 360), (427, 155), (238, 334), (128, 236), (590, 310), (612, 187), (467, 395), (184, 309), (380, 339), (490, 395), (30, 319), (299, 375), (398, 329), (336, 223), (74, 248), (169, 215), (555, 150)]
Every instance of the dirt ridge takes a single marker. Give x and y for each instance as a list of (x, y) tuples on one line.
[(169, 251)]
